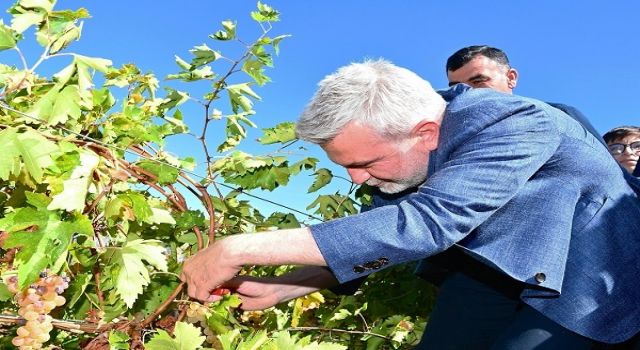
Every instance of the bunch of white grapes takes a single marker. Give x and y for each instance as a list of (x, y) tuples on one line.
[(197, 314), (36, 302)]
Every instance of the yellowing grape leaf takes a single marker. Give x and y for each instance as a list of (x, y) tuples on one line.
[(185, 337), (130, 273), (302, 304)]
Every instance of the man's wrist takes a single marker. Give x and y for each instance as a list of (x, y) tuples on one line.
[(232, 252)]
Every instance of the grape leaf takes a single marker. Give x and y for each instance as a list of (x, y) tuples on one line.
[(7, 41), (323, 177), (75, 188), (42, 238), (186, 337), (34, 150), (283, 132), (131, 274), (22, 21), (5, 294), (118, 340), (265, 13), (165, 173)]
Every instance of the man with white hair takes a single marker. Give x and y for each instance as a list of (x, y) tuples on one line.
[(510, 183)]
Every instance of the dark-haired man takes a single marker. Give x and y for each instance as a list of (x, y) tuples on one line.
[(482, 66)]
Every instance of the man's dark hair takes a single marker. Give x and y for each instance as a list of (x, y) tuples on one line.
[(620, 132), (464, 55)]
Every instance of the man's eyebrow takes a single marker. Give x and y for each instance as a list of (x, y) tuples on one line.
[(477, 76), (361, 164)]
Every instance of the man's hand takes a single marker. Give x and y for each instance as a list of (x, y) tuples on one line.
[(261, 293), (208, 269)]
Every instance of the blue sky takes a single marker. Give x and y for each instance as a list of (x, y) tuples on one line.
[(579, 53)]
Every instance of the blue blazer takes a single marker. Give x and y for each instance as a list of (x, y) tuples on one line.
[(523, 188)]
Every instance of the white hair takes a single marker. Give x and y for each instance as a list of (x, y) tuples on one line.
[(389, 99)]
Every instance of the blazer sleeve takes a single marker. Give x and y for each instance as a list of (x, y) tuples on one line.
[(485, 167)]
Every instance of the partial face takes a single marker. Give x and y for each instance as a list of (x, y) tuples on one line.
[(483, 72), (626, 151), (390, 165)]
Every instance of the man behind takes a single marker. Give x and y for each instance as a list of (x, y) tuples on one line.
[(513, 184), (482, 66)]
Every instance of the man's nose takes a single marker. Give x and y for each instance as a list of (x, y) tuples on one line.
[(358, 176)]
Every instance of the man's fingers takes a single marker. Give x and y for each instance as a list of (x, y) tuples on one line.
[(213, 298)]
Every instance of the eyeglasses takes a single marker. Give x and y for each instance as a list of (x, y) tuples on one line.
[(617, 149)]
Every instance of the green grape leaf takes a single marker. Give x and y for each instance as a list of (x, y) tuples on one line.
[(118, 340), (5, 294), (333, 206), (7, 40), (304, 164), (97, 63), (38, 200), (281, 133), (185, 337), (74, 195), (64, 38), (182, 63), (131, 274), (323, 177), (254, 68), (265, 13), (271, 177), (165, 173), (43, 108), (203, 55), (254, 341), (227, 33), (238, 96), (155, 294), (160, 216), (42, 238), (131, 205), (67, 105), (32, 148), (229, 339), (77, 288), (276, 42)]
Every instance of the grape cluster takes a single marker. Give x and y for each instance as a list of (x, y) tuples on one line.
[(36, 302), (197, 314)]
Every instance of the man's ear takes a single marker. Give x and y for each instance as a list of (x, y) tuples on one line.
[(428, 133), (512, 78)]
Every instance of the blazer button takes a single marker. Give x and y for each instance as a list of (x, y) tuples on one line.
[(358, 269), (540, 277), (373, 265)]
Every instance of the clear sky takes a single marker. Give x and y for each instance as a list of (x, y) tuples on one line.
[(581, 53)]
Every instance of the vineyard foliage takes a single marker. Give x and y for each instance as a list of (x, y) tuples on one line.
[(90, 192)]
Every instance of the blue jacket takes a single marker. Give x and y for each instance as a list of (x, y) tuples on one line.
[(523, 188)]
